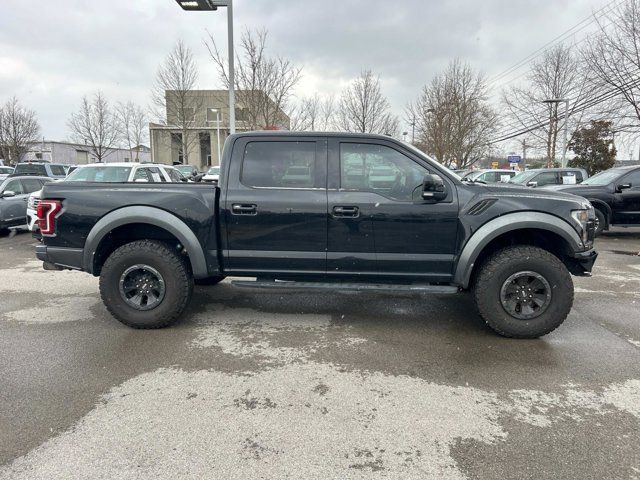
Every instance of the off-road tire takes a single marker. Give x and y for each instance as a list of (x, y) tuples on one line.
[(495, 271), (602, 222), (171, 265), (209, 280)]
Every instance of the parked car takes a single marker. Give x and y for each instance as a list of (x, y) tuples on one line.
[(41, 169), (212, 175), (541, 177), (490, 175), (5, 172), (108, 173), (430, 233), (615, 194), (14, 192)]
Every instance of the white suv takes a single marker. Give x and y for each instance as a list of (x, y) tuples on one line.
[(110, 173)]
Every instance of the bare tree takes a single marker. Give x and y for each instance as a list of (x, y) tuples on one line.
[(313, 114), (95, 125), (173, 96), (263, 84), (19, 129), (454, 120), (132, 122), (556, 75), (613, 58), (363, 108)]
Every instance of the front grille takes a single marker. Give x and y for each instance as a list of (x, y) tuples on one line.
[(34, 203)]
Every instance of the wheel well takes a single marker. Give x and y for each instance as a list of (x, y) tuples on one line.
[(545, 239), (128, 233)]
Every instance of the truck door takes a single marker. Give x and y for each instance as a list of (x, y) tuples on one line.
[(629, 199), (275, 206), (378, 223)]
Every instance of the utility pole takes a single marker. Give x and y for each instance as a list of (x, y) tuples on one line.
[(524, 154)]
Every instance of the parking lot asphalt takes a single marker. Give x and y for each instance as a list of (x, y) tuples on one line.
[(255, 384)]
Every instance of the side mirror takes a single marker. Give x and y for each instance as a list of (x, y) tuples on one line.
[(624, 186), (433, 188), (532, 184), (8, 194)]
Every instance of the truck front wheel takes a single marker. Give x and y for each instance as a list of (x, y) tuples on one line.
[(523, 292), (146, 284)]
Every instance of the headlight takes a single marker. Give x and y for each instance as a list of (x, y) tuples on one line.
[(31, 203), (582, 217)]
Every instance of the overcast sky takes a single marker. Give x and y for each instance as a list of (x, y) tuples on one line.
[(52, 52)]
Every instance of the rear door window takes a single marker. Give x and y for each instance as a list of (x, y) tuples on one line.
[(58, 170), (31, 185), (282, 165)]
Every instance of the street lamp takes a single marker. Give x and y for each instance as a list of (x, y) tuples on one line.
[(566, 124), (204, 5), (217, 129)]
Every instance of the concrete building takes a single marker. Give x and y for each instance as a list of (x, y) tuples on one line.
[(79, 154), (209, 117)]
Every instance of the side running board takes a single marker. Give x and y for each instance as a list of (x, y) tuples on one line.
[(359, 287)]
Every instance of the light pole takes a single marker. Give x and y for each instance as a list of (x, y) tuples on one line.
[(218, 130), (203, 5), (566, 125)]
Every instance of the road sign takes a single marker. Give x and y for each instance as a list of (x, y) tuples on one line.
[(514, 158), (495, 164)]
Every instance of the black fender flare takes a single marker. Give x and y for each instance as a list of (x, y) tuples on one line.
[(152, 216), (508, 223), (600, 205)]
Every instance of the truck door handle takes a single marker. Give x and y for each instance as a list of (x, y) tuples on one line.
[(244, 209), (345, 211)]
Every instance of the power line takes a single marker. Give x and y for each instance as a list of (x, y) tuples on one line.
[(567, 33), (577, 109)]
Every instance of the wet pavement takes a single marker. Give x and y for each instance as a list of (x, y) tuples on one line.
[(255, 384)]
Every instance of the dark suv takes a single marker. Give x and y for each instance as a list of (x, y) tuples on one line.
[(615, 194)]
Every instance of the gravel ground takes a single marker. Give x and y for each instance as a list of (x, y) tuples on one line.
[(257, 384)]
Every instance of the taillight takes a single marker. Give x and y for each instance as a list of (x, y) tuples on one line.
[(47, 211)]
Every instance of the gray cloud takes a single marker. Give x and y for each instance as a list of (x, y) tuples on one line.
[(53, 52)]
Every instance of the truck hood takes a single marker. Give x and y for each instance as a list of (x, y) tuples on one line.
[(534, 198)]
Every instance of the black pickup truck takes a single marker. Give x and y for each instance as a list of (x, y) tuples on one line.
[(328, 212), (614, 193)]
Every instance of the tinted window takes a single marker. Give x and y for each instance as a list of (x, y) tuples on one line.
[(13, 186), (380, 169), (58, 170), (31, 169), (174, 175), (6, 170), (31, 185), (633, 178), (282, 165), (143, 174), (546, 178)]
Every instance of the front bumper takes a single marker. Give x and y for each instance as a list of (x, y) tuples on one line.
[(70, 258), (581, 263)]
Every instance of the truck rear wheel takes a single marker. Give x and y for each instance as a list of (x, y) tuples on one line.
[(146, 284), (523, 292)]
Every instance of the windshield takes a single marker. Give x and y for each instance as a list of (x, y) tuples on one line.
[(522, 177), (100, 174), (214, 171), (604, 178), (30, 169), (186, 169)]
